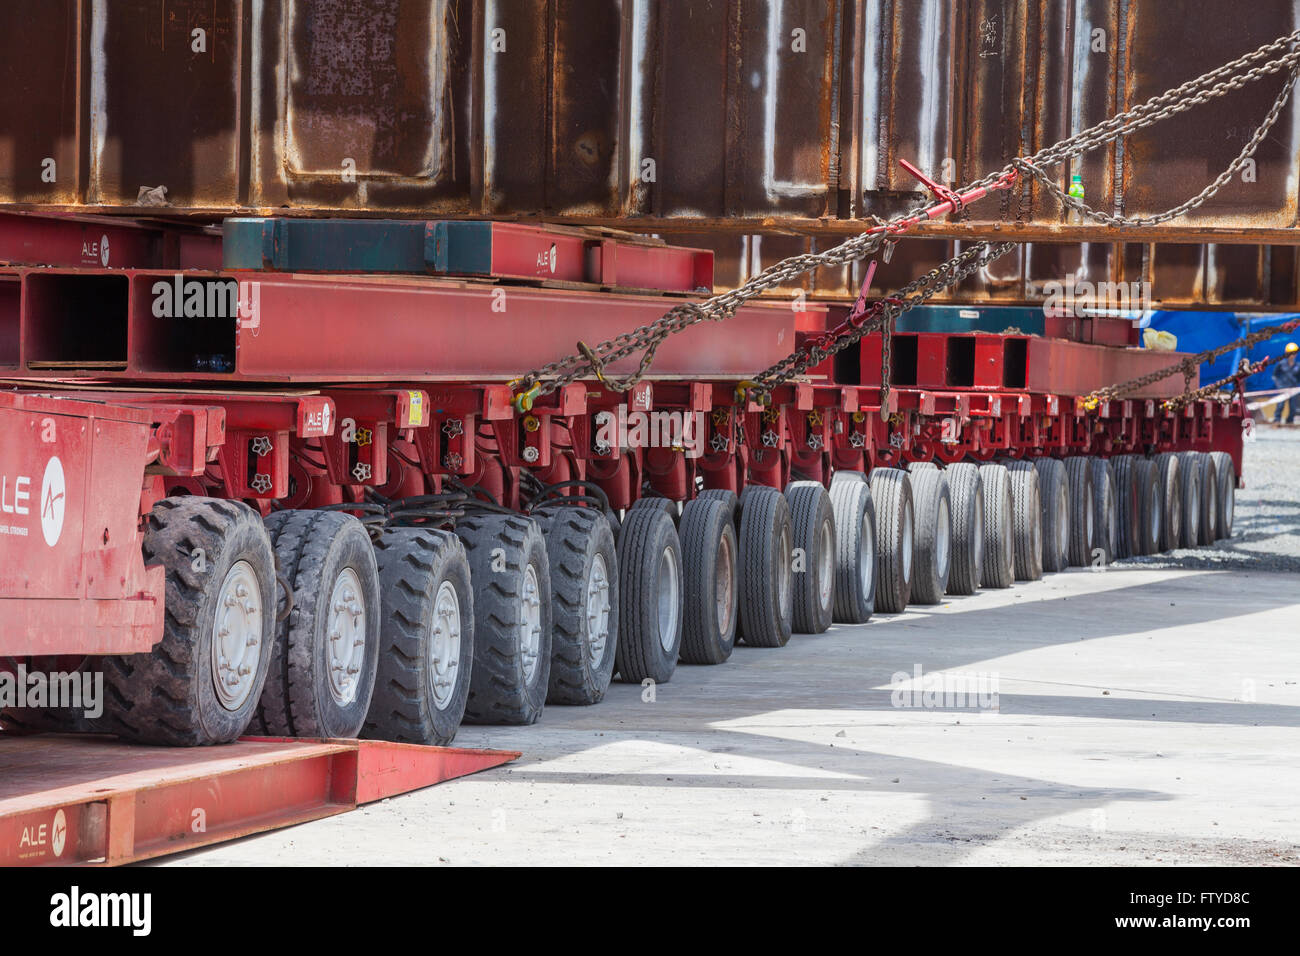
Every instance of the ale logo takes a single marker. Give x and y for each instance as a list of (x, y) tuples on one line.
[(53, 501), (103, 250), (59, 833)]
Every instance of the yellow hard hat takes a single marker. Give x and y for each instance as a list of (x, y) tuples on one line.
[(1292, 347)]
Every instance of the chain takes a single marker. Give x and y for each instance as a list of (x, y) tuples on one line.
[(1214, 389), (1188, 366), (1195, 202), (880, 316), (646, 339)]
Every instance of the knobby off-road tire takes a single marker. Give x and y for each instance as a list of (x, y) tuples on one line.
[(512, 618), (710, 557), (855, 549), (220, 576), (583, 561), (327, 648), (426, 637)]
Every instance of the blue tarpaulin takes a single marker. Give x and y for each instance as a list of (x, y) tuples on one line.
[(1198, 331)]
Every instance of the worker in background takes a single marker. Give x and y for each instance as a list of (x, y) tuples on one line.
[(1286, 374)]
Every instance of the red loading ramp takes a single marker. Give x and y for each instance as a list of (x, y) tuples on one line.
[(67, 800)]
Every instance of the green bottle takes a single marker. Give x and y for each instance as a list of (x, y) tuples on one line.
[(1076, 187)]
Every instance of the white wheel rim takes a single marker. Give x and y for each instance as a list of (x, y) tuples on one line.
[(825, 564), (942, 538), (724, 584), (237, 636), (977, 534), (785, 575), (445, 644), (866, 555), (1229, 506), (907, 542), (1008, 541), (1213, 509), (668, 598), (1088, 523), (345, 644), (1112, 517), (530, 623), (597, 610)]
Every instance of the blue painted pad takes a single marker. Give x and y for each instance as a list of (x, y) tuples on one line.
[(1198, 331), (325, 245), (955, 318)]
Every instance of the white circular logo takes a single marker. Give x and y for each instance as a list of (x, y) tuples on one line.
[(103, 250), (553, 257), (54, 500), (59, 834)]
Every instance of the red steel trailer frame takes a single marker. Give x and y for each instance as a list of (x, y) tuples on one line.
[(339, 386)]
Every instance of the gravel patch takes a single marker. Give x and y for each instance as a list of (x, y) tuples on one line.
[(1266, 528)]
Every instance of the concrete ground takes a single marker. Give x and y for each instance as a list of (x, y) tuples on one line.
[(1143, 715)]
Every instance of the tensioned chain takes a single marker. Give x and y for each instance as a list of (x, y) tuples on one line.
[(1187, 366), (1196, 201), (592, 360), (880, 316), (1214, 389)]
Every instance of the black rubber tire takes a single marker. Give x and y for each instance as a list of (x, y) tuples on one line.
[(649, 561), (1189, 473), (1209, 499), (813, 584), (711, 569), (848, 475), (654, 502), (727, 497), (855, 550), (932, 557), (1226, 473), (999, 567), (167, 695), (1150, 511), (1105, 518), (966, 491), (49, 720), (1169, 481), (1078, 472), (1027, 502), (766, 571), (579, 544), (414, 565), (501, 549), (1054, 494), (1126, 505), (312, 549), (891, 492)]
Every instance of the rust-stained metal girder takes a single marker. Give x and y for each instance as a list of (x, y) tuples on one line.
[(753, 116)]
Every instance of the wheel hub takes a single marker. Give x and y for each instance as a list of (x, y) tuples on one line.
[(236, 636), (825, 564), (597, 610), (942, 538), (669, 599), (530, 623), (444, 644), (346, 636), (724, 583)]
